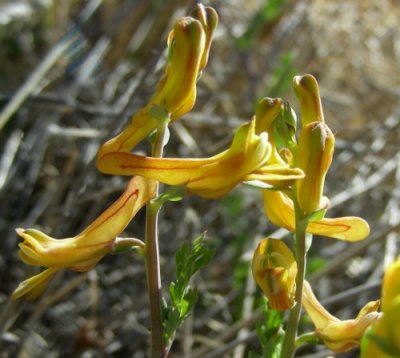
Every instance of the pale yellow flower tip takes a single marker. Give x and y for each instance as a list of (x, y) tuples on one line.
[(347, 228), (208, 18), (315, 153), (274, 270), (33, 287), (307, 92), (339, 336), (267, 110)]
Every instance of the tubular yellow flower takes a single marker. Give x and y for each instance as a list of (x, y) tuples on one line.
[(315, 153), (387, 329), (213, 177), (188, 46), (307, 92), (279, 209), (176, 91), (274, 270), (316, 145), (312, 154), (338, 335), (82, 252)]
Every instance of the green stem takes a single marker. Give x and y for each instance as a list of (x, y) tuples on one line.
[(307, 338), (153, 258), (289, 342)]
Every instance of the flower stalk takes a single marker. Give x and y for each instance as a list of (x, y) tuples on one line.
[(152, 256), (301, 222)]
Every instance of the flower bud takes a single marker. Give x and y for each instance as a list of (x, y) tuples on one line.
[(208, 18), (176, 91), (307, 92), (315, 152), (267, 111), (274, 270), (286, 126)]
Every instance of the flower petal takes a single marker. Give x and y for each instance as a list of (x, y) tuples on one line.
[(318, 314), (267, 111), (209, 20), (276, 175), (339, 336), (33, 287), (391, 284), (315, 153), (279, 209), (176, 91), (348, 228), (307, 92)]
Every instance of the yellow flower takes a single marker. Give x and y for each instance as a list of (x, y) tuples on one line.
[(267, 111), (212, 177), (82, 252), (313, 155), (307, 92), (315, 152), (280, 211), (338, 335), (176, 91), (316, 145), (188, 46), (385, 334), (274, 269)]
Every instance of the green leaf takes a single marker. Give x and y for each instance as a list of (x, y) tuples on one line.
[(188, 260), (270, 333), (173, 193)]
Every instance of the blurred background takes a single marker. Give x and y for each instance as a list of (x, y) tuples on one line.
[(73, 72)]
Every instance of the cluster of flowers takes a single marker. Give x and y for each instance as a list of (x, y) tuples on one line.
[(265, 151)]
